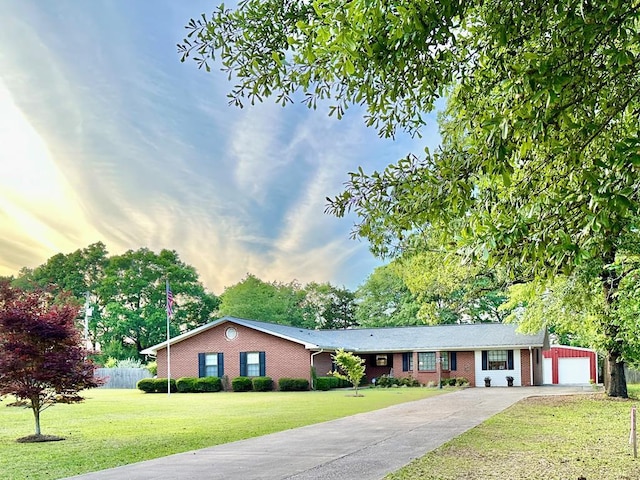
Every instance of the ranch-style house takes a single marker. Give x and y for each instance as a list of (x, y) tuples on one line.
[(239, 347)]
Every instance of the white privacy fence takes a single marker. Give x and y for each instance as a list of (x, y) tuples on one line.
[(121, 377)]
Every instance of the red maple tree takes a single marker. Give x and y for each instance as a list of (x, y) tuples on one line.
[(42, 359)]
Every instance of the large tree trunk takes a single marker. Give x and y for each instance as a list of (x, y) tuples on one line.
[(617, 382)]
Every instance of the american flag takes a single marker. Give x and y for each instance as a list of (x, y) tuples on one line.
[(169, 300)]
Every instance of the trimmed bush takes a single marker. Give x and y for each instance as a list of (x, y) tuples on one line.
[(147, 385), (293, 384), (156, 385), (325, 383), (186, 384), (161, 385), (208, 384), (241, 384), (262, 384)]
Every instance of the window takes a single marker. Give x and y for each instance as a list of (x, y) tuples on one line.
[(381, 360), (497, 360), (210, 364), (444, 360), (407, 362), (252, 364), (427, 361)]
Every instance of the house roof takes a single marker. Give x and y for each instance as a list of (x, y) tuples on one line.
[(389, 339)]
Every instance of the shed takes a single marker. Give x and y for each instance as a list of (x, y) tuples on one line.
[(565, 365)]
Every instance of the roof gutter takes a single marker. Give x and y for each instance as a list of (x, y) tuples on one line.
[(531, 383), (313, 387)]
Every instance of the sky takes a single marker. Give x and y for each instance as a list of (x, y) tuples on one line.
[(106, 136)]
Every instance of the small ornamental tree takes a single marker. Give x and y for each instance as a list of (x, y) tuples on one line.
[(350, 367), (42, 360)]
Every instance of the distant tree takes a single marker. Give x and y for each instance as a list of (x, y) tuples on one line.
[(384, 300), (76, 273), (449, 290), (42, 360), (350, 367), (254, 299), (328, 307), (133, 293)]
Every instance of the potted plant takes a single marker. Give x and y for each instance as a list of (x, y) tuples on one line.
[(509, 381), (487, 381)]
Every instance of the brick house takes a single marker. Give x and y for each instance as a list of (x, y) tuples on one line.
[(239, 347)]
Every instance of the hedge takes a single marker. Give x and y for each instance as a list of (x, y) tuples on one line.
[(156, 385), (293, 384), (262, 384), (196, 385), (209, 384), (186, 384), (241, 384)]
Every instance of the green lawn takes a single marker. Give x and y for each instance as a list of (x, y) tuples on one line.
[(555, 438), (117, 427)]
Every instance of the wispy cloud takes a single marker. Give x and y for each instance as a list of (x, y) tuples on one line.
[(106, 136)]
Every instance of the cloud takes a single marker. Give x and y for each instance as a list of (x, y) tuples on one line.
[(106, 136)]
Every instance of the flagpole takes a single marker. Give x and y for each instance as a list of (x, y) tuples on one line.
[(169, 308)]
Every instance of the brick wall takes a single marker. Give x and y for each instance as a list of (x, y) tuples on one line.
[(464, 368), (282, 357), (525, 368)]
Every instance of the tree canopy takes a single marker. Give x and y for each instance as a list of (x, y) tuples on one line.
[(538, 167), (256, 299), (133, 294)]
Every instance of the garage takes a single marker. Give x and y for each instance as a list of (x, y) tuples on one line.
[(565, 365)]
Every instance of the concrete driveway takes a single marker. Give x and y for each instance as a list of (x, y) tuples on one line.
[(366, 446)]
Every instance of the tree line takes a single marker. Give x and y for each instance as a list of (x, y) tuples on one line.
[(127, 296)]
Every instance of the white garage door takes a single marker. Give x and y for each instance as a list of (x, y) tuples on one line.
[(573, 371), (547, 374)]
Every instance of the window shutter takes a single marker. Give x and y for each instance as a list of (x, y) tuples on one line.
[(263, 367), (485, 362), (243, 364), (509, 359), (405, 362), (453, 361), (201, 372), (220, 364)]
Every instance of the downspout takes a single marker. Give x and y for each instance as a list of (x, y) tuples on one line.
[(530, 366), (313, 387)]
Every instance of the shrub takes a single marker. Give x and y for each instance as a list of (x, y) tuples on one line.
[(147, 385), (111, 362), (385, 381), (208, 384), (462, 382), (262, 384), (409, 382), (153, 368), (186, 384), (241, 384), (324, 383), (156, 385), (160, 385), (293, 384)]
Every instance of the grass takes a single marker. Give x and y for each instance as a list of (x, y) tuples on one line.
[(118, 427), (571, 437)]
